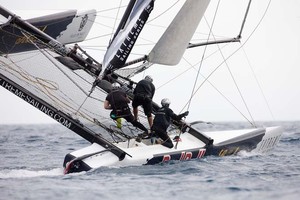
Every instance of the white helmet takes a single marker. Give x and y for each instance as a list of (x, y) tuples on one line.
[(115, 86), (165, 102), (149, 78)]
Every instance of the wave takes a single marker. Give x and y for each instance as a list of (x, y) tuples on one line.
[(22, 173)]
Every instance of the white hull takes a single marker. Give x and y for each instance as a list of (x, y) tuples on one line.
[(143, 153)]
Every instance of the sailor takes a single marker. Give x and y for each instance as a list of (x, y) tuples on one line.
[(143, 94), (162, 120), (117, 101)]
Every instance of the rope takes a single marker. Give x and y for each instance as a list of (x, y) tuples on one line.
[(163, 12), (115, 21), (196, 80), (206, 79), (235, 83), (259, 85), (49, 56)]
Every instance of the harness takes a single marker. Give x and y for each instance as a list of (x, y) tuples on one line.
[(145, 96), (120, 112)]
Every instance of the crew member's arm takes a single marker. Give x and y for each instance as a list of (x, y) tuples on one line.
[(107, 105), (127, 99), (153, 90), (178, 117)]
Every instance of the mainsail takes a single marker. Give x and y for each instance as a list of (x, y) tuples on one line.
[(123, 42)]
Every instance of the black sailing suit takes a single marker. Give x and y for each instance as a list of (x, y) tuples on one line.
[(143, 94), (162, 121), (120, 109)]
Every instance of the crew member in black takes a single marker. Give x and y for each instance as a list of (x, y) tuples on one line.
[(117, 101), (143, 94), (162, 120)]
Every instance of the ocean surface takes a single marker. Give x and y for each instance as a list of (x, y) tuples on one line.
[(31, 158)]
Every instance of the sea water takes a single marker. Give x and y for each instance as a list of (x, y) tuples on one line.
[(31, 158)]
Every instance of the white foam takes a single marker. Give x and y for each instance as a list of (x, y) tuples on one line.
[(23, 173)]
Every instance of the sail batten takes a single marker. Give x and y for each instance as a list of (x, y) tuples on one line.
[(173, 43)]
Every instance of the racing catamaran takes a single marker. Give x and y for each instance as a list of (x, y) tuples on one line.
[(70, 86)]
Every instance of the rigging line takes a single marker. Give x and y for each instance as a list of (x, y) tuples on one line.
[(116, 20), (258, 83), (177, 75), (105, 35), (219, 93), (191, 66), (234, 81), (46, 84), (263, 16), (27, 77), (104, 25), (234, 52), (110, 9), (163, 12), (13, 34), (196, 80), (48, 56)]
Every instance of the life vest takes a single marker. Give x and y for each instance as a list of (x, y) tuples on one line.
[(162, 118)]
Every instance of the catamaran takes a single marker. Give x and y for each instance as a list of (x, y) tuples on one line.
[(39, 64)]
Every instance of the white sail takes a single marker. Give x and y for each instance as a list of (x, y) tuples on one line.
[(80, 27), (173, 43)]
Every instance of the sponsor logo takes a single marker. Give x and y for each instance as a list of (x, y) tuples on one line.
[(227, 152), (125, 48), (185, 155), (83, 22), (34, 102)]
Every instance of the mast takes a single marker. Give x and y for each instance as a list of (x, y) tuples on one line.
[(125, 17)]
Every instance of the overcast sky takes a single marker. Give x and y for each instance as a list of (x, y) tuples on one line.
[(273, 52)]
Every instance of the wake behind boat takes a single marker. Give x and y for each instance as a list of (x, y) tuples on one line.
[(70, 86)]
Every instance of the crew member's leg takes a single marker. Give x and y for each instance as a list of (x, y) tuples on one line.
[(135, 123), (135, 107), (166, 141), (147, 105)]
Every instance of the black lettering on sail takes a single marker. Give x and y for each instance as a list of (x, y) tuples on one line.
[(123, 52)]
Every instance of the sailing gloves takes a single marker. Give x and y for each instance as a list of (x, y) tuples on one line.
[(186, 113)]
